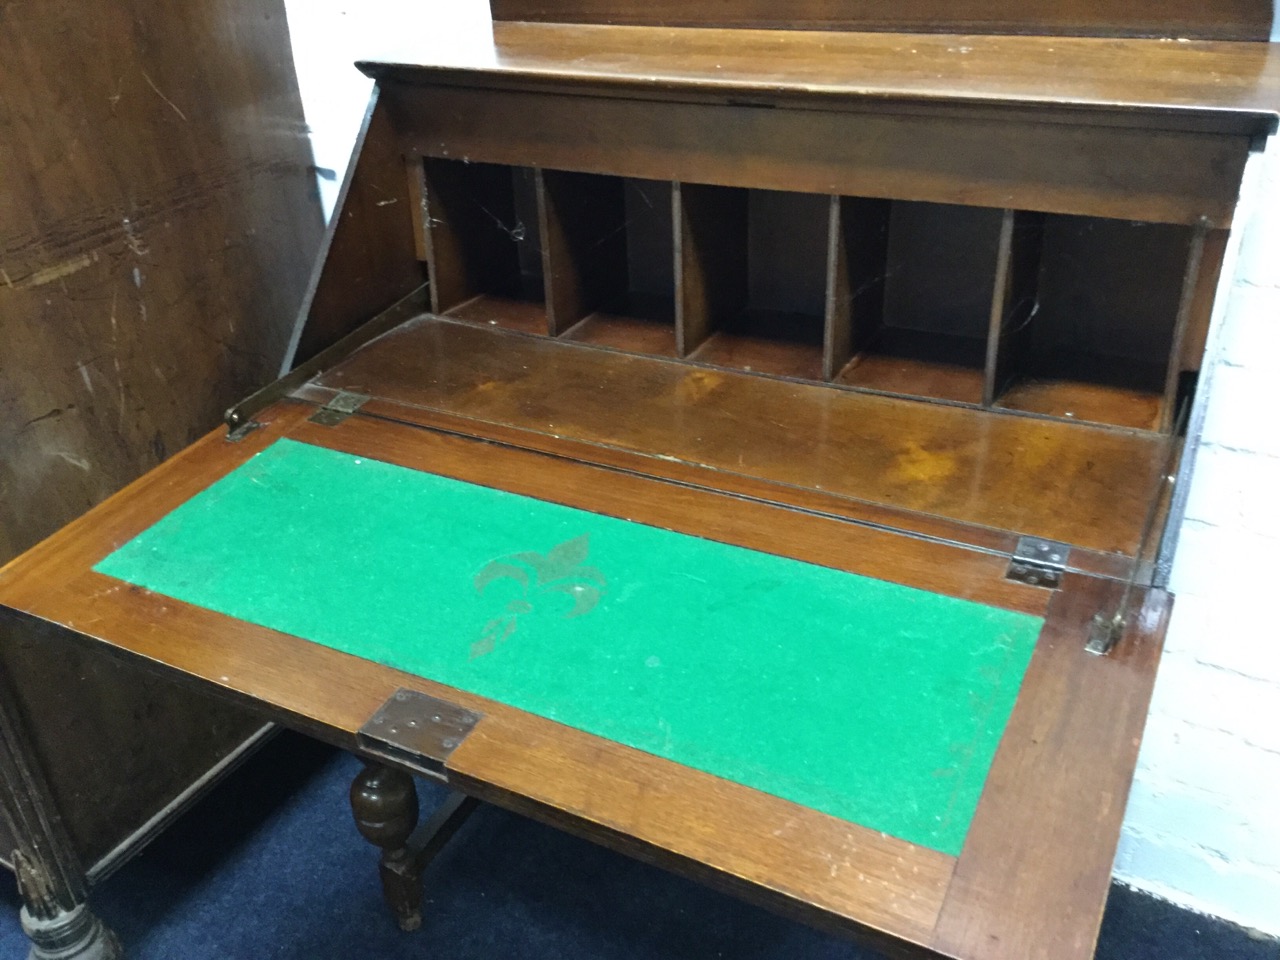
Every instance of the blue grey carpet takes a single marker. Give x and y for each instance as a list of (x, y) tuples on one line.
[(270, 866)]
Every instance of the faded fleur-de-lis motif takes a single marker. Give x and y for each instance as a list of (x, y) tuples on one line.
[(562, 569)]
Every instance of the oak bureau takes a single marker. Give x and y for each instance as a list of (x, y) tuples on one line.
[(758, 450)]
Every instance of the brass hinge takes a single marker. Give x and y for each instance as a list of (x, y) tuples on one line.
[(417, 731), (340, 406), (1040, 563)]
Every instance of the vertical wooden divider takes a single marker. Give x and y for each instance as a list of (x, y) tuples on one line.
[(1013, 301), (857, 246), (445, 274), (1197, 333), (582, 222), (416, 172), (526, 233), (1191, 281), (710, 227)]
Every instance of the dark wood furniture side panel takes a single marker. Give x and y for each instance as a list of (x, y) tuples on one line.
[(158, 220), (1222, 20), (116, 744), (370, 255)]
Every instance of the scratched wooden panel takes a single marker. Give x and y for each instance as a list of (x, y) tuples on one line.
[(157, 225)]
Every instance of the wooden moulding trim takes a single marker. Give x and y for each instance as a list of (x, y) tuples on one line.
[(1108, 83), (1182, 177)]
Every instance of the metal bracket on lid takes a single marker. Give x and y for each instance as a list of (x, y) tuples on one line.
[(236, 434), (1105, 632), (417, 731), (1040, 563)]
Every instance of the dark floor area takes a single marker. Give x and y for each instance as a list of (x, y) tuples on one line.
[(270, 866)]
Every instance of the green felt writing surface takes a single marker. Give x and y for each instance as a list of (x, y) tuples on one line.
[(870, 701)]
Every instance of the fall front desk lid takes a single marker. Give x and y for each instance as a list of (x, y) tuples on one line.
[(876, 703)]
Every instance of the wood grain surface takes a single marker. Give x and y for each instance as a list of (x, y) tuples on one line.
[(1123, 129), (1154, 83), (331, 695), (1168, 177), (1033, 877), (1224, 19), (987, 539), (369, 259), (158, 221), (1046, 782), (1073, 482)]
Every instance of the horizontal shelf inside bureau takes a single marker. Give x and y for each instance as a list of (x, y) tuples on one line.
[(1075, 318)]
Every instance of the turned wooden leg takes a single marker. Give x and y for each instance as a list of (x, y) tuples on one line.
[(74, 934), (385, 803), (54, 915)]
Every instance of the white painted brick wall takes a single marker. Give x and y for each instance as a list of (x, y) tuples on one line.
[(1203, 826)]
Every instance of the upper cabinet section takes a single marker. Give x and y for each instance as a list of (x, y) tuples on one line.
[(1029, 226), (1220, 20)]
